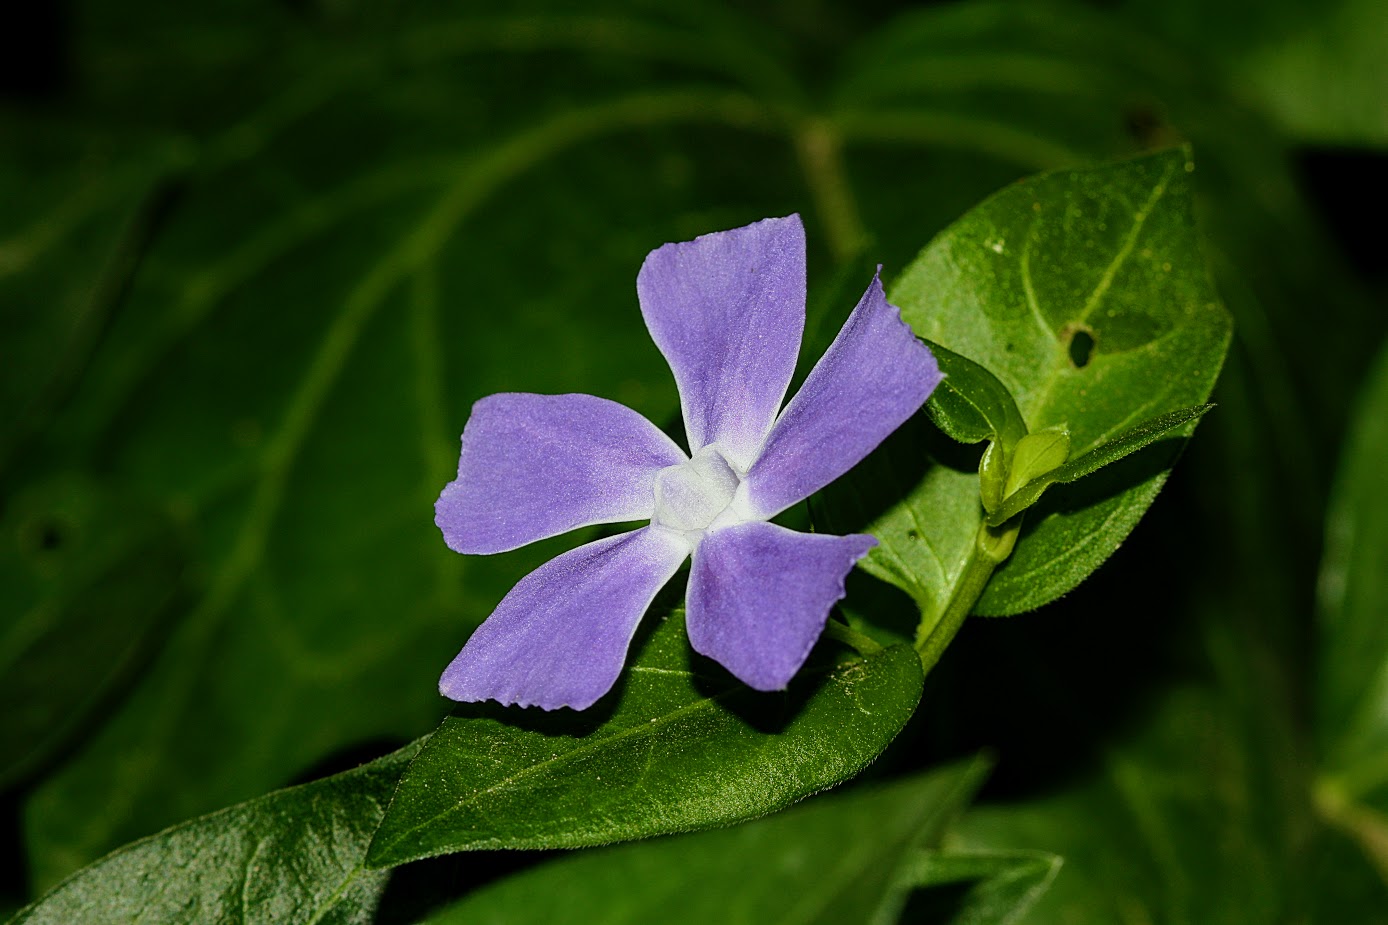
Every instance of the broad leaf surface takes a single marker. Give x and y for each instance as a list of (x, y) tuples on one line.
[(1352, 702), (681, 745), (832, 861), (87, 578), (292, 856), (350, 263), (1110, 255)]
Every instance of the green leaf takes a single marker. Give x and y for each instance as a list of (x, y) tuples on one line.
[(81, 203), (351, 261), (970, 404), (1003, 885), (1172, 824), (1035, 455), (1352, 676), (681, 746), (1317, 69), (291, 856), (1108, 257), (88, 577), (1140, 436), (832, 860)]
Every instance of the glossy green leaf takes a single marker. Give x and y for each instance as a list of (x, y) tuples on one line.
[(831, 861), (292, 856), (681, 746), (1352, 680), (1001, 886), (1110, 254), (970, 404), (1144, 434)]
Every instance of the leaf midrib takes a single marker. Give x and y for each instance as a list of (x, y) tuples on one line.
[(582, 750)]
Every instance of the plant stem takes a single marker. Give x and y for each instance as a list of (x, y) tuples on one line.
[(859, 642), (821, 160), (992, 546)]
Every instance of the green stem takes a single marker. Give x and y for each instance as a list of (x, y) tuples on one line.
[(859, 642), (821, 160), (991, 548)]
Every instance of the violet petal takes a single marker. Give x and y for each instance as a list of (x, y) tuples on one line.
[(534, 466), (728, 310), (560, 636), (873, 377), (759, 595)]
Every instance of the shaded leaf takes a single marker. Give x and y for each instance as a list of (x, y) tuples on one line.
[(291, 856), (681, 745), (87, 577), (291, 364), (1352, 680), (970, 404), (1173, 824), (1318, 69), (832, 860), (1002, 886)]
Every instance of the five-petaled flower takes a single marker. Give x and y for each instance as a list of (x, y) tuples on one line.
[(727, 310)]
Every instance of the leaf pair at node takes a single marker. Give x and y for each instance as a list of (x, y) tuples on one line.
[(972, 405)]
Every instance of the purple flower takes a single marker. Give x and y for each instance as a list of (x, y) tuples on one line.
[(727, 310)]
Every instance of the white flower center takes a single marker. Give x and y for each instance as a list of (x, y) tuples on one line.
[(691, 496)]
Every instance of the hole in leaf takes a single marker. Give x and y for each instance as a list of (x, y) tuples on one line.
[(45, 535), (1081, 348), (50, 536)]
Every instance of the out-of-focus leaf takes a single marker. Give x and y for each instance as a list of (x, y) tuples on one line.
[(1352, 695), (352, 262), (1320, 69), (832, 861), (87, 575), (79, 207), (1002, 886), (682, 746), (1174, 826), (292, 856)]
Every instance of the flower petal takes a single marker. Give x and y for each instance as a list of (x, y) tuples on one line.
[(534, 466), (871, 379), (728, 310), (559, 638), (759, 595)]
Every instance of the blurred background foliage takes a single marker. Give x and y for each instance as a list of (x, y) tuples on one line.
[(257, 259)]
